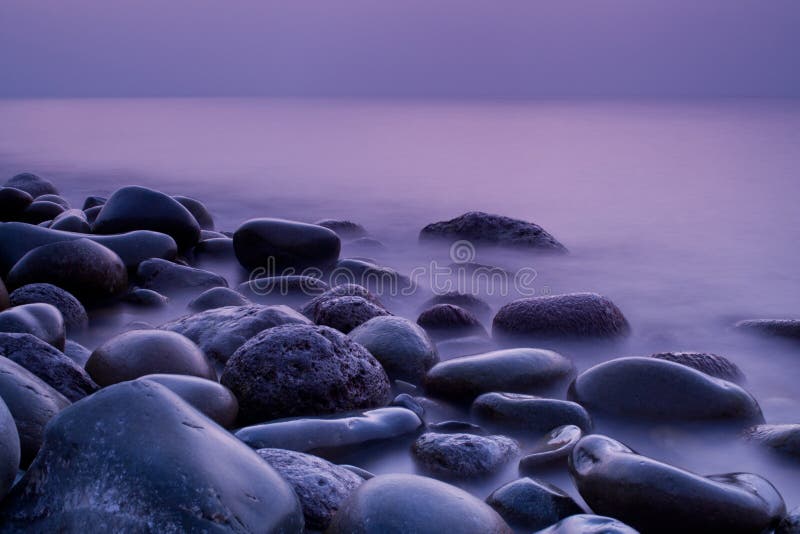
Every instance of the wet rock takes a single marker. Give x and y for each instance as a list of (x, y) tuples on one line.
[(198, 211), (788, 328), (363, 473), (220, 331), (511, 370), (346, 313), (49, 364), (320, 485), (13, 203), (41, 320), (72, 311), (93, 201), (216, 248), (555, 447), (402, 347), (344, 229), (324, 434), (574, 315), (782, 438), (145, 298), (4, 298), (790, 524), (137, 353), (410, 503), (463, 455), (98, 471), (342, 290), (710, 364), (404, 400), (289, 244), (31, 402), (456, 427), (487, 229), (588, 524), (448, 320), (276, 288), (77, 352), (532, 504), (378, 279), (660, 389), (56, 199), (211, 398), (32, 184), (82, 267), (9, 449), (217, 297), (139, 208), (526, 412), (296, 370), (170, 278), (40, 211)]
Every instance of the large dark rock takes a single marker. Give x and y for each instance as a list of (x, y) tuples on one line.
[(396, 504), (139, 208), (9, 449), (532, 414), (72, 311), (656, 497), (403, 348), (323, 434), (344, 229), (320, 485), (487, 229), (13, 203), (710, 364), (137, 353), (198, 211), (136, 458), (342, 290), (295, 370), (49, 364), (659, 389), (72, 221), (574, 315), (41, 211), (782, 438), (346, 313), (511, 370), (553, 448), (213, 399), (463, 455), (448, 320), (532, 504), (788, 328), (84, 268), (171, 278), (281, 244), (217, 297), (32, 184), (43, 321), (220, 331), (588, 524)]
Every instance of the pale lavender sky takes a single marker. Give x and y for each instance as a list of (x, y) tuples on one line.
[(403, 48)]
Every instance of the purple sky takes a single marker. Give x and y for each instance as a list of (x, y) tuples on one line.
[(409, 48)]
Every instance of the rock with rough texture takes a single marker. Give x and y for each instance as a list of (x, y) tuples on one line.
[(710, 364), (198, 211), (49, 364), (529, 413), (43, 321), (220, 332), (471, 303), (137, 353), (32, 184), (139, 208), (403, 348), (320, 485), (510, 370), (13, 203), (296, 370), (532, 504), (76, 352), (98, 471), (588, 524), (396, 504), (554, 447), (72, 311), (208, 396), (283, 244), (72, 221), (171, 278), (9, 449), (782, 438), (346, 313), (322, 434), (344, 229), (463, 455), (217, 297), (573, 315), (448, 320), (82, 267), (655, 497), (788, 328), (650, 388), (4, 297), (342, 290)]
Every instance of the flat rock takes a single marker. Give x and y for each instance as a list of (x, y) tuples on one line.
[(41, 211), (72, 311), (280, 244), (788, 328), (378, 279), (463, 455), (529, 413), (210, 397), (171, 278), (43, 321), (531, 504)]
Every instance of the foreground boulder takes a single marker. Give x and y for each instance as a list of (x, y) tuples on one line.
[(32, 184), (496, 230), (656, 497), (284, 244), (211, 398), (532, 504), (662, 390), (40, 320), (170, 278), (529, 413), (788, 328), (72, 311), (9, 449), (396, 504), (574, 315), (782, 438), (297, 370), (588, 524), (710, 364), (97, 471), (463, 455)]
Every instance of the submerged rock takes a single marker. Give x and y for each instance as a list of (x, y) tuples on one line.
[(289, 244), (556, 446), (43, 321), (532, 504), (710, 364), (588, 524), (210, 397), (463, 455), (170, 278), (344, 229), (378, 279), (72, 311), (448, 320), (217, 297), (782, 438), (529, 413), (788, 328), (471, 303), (32, 184)]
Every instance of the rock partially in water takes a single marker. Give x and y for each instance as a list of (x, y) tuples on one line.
[(321, 486), (788, 328), (511, 370), (43, 321), (402, 347), (218, 248), (56, 199), (344, 229), (84, 268), (378, 279), (532, 504), (40, 211), (49, 364), (463, 300), (448, 320), (710, 364), (137, 353), (198, 211), (13, 203), (297, 370), (220, 331), (404, 400), (573, 315), (170, 278), (72, 220), (210, 397), (217, 297), (139, 208), (554, 447), (532, 414), (98, 471), (389, 504), (273, 289), (463, 455), (93, 201), (588, 524), (72, 311), (346, 313), (661, 390), (145, 298), (790, 524), (656, 497), (283, 244), (456, 427), (9, 449), (782, 438), (92, 213), (4, 298), (32, 184), (342, 290), (77, 352)]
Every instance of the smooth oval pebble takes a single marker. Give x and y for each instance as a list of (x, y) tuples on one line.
[(171, 278), (554, 447), (217, 297), (280, 244), (529, 413), (588, 524), (532, 504), (41, 320)]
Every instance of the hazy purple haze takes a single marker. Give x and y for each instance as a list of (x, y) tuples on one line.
[(416, 48)]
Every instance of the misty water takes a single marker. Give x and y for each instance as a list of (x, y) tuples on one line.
[(683, 213)]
